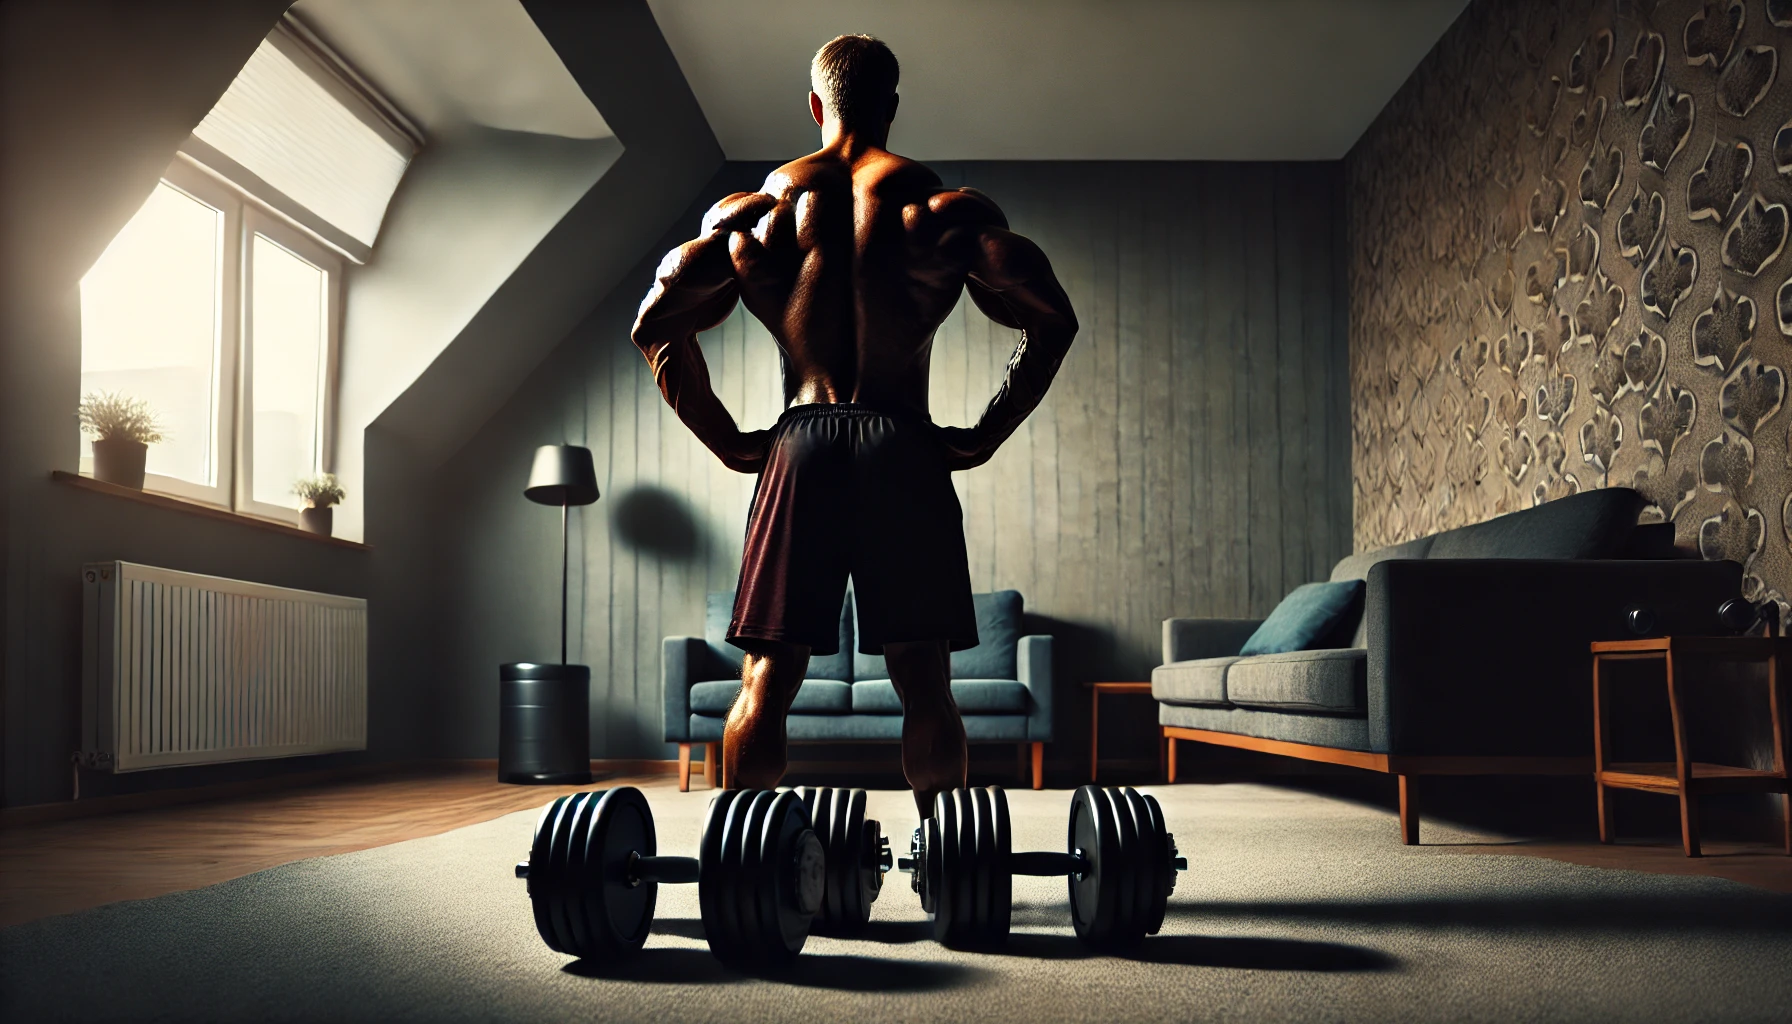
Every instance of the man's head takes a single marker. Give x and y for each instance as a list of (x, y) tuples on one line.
[(854, 78)]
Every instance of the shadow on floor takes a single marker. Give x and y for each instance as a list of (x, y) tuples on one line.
[(1743, 912), (664, 965), (1238, 952)]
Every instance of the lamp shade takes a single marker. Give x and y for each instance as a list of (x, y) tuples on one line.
[(562, 475)]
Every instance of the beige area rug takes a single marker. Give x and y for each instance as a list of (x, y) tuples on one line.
[(1296, 907)]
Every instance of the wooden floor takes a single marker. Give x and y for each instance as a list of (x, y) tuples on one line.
[(62, 866), (58, 867)]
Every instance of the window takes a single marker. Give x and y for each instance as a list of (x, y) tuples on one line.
[(219, 304)]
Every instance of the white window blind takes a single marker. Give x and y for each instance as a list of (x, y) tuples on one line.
[(291, 126)]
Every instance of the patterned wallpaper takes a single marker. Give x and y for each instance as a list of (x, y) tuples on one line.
[(1566, 272)]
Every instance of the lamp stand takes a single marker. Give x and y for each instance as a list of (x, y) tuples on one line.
[(563, 578)]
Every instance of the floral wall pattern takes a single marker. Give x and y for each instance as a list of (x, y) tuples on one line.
[(1567, 236)]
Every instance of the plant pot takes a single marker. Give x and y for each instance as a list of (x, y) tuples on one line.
[(119, 460), (316, 520)]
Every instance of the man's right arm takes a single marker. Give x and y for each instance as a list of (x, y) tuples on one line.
[(695, 289)]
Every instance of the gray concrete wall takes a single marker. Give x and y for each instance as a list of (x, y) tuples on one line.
[(1191, 459)]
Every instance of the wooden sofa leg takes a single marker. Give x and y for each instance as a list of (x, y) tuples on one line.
[(684, 767), (711, 752), (1038, 766), (1169, 758), (1409, 810)]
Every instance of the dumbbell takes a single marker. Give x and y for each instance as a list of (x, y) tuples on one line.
[(858, 855), (594, 873), (1122, 866)]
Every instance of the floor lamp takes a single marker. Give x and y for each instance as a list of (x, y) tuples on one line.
[(544, 735)]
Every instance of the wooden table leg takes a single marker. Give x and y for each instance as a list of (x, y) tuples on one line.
[(1689, 803), (1409, 810), (1094, 733), (1600, 728)]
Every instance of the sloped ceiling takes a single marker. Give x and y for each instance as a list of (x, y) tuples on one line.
[(1067, 79)]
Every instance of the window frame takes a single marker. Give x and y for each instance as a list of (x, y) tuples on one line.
[(226, 340), (281, 232), (232, 462)]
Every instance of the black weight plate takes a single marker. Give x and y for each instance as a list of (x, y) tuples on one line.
[(944, 858), (713, 895), (1091, 897), (1147, 862), (744, 837), (578, 879), (982, 811), (541, 875), (1129, 900), (870, 848), (824, 818), (846, 860), (961, 869), (1161, 865), (792, 859), (618, 912), (928, 865), (1000, 872), (562, 891)]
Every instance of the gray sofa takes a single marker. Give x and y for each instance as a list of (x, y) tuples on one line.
[(1471, 656), (1003, 686)]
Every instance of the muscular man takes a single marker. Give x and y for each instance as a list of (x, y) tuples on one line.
[(851, 257)]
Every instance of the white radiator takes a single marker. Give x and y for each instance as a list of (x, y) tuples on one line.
[(180, 668)]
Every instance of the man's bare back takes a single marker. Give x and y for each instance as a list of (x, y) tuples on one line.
[(852, 261), (852, 257)]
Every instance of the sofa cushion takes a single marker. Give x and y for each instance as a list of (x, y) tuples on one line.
[(1331, 682), (1356, 567), (998, 634), (1199, 683), (719, 609), (1591, 524), (816, 697), (1313, 615), (974, 697)]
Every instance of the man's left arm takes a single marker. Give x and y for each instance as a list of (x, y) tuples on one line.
[(695, 289), (1012, 282)]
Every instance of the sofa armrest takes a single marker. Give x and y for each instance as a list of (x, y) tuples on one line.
[(1189, 639), (680, 658), (1490, 656), (1033, 662)]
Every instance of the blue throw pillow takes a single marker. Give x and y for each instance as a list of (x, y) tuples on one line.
[(1314, 616)]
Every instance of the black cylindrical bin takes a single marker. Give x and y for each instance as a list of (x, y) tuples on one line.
[(543, 732)]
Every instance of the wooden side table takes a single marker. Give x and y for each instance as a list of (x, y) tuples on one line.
[(1684, 777), (1095, 692)]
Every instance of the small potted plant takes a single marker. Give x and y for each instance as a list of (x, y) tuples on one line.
[(318, 493), (122, 429)]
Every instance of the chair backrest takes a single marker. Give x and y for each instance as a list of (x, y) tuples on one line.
[(720, 609), (994, 657)]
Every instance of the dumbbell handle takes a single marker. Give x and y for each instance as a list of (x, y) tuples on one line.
[(665, 870), (1047, 863)]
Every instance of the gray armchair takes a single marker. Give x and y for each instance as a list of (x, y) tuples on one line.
[(1003, 687)]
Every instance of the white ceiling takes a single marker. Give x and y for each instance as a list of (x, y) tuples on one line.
[(1066, 79), (456, 64)]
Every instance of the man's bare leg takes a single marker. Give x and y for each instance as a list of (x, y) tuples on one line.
[(933, 745), (754, 755)]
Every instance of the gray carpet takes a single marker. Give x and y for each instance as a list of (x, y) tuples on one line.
[(1296, 907)]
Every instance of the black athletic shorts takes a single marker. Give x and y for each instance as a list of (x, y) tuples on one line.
[(850, 491)]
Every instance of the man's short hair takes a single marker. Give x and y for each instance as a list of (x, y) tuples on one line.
[(855, 76)]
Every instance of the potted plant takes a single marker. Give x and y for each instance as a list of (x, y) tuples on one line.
[(318, 493), (122, 429)]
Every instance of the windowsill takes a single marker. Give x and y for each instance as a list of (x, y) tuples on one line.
[(88, 483)]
